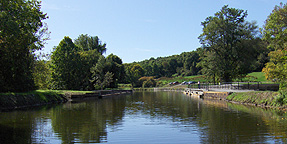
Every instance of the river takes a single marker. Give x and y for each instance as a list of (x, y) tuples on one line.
[(144, 117)]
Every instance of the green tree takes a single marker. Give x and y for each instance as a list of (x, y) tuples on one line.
[(275, 34), (22, 31), (133, 73), (228, 44), (42, 74), (190, 61), (71, 65), (87, 60), (87, 43), (100, 76), (115, 66), (65, 65)]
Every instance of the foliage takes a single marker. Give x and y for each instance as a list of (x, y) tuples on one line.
[(147, 82), (87, 43), (183, 64), (230, 46), (22, 31), (133, 72), (276, 69), (275, 34), (274, 30), (100, 76), (72, 65), (115, 66), (42, 74), (87, 60), (65, 65)]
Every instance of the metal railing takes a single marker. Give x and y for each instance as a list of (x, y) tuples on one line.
[(228, 85)]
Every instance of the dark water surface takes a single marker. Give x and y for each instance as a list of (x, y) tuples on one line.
[(144, 117)]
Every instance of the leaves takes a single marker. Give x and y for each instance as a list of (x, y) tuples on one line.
[(275, 34), (22, 32), (99, 74), (229, 45), (275, 28), (87, 43)]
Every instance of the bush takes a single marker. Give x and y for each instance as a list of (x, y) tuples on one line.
[(282, 97), (149, 83)]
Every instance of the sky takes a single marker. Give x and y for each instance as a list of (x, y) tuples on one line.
[(136, 30)]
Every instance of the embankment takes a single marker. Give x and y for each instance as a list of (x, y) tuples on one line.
[(12, 101), (257, 98), (268, 99)]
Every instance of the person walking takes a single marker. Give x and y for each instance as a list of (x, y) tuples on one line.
[(198, 84)]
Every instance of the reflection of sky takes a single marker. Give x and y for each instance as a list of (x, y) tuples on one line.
[(146, 130), (151, 118), (44, 133)]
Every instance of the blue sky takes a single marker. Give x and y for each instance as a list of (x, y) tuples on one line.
[(136, 30)]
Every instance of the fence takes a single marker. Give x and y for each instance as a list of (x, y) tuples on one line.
[(236, 86)]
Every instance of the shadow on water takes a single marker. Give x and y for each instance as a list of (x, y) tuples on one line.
[(95, 121)]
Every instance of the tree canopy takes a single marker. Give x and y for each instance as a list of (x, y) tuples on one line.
[(22, 31), (79, 66), (87, 43), (275, 34), (229, 44)]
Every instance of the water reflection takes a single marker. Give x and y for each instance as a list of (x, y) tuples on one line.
[(87, 121), (146, 117)]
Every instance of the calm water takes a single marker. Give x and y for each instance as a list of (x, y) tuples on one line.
[(148, 117)]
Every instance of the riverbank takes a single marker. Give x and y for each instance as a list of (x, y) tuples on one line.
[(11, 101), (257, 98), (268, 99)]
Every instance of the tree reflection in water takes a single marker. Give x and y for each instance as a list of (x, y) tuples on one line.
[(116, 119)]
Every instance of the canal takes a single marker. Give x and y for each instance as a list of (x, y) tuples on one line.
[(144, 117)]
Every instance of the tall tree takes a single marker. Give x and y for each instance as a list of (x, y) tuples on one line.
[(100, 76), (87, 43), (65, 65), (22, 31), (226, 41), (275, 34), (115, 66), (133, 73)]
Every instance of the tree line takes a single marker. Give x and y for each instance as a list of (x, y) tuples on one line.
[(231, 48)]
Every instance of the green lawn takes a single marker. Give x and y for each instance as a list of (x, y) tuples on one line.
[(260, 76)]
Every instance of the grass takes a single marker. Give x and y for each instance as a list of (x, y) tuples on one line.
[(260, 76), (46, 92), (266, 98), (254, 77), (27, 99)]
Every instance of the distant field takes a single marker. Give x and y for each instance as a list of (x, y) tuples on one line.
[(260, 76)]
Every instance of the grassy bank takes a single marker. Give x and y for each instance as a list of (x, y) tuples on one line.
[(9, 101), (263, 98)]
